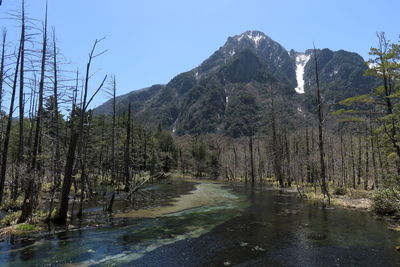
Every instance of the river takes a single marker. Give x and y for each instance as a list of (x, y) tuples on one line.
[(211, 224)]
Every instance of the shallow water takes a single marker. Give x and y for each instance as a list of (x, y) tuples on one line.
[(220, 225)]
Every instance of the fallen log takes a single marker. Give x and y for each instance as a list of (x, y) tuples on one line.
[(156, 177), (136, 188)]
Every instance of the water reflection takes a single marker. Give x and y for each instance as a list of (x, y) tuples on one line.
[(240, 225)]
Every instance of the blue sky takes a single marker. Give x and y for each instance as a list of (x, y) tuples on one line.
[(150, 41)]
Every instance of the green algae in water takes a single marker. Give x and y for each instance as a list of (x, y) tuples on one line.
[(213, 205), (288, 233), (174, 227)]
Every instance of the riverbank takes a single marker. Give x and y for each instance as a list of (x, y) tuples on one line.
[(358, 199), (352, 199)]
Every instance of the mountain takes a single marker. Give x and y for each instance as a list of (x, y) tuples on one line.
[(228, 92)]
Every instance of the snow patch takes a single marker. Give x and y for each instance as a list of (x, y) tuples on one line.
[(227, 99), (254, 36), (233, 52), (301, 61)]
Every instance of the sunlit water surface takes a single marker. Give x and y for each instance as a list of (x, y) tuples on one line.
[(217, 225)]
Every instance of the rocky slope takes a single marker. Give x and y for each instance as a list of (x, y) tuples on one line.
[(231, 90)]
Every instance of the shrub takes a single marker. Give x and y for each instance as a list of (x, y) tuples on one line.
[(340, 191), (386, 201), (10, 219), (11, 206)]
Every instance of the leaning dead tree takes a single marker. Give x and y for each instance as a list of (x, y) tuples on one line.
[(77, 137)]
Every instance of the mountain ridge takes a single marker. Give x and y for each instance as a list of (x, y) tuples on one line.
[(197, 101)]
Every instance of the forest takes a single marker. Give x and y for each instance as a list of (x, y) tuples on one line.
[(57, 154)]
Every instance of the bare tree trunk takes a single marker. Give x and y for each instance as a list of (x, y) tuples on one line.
[(21, 92), (36, 144), (144, 150), (2, 62), (30, 192), (235, 160), (113, 178), (57, 156), (359, 167), (353, 167), (373, 152), (84, 107), (289, 172), (251, 159), (324, 186), (381, 163), (63, 208), (332, 161), (366, 166), (8, 129), (127, 146), (308, 159), (277, 159), (32, 113), (62, 212), (261, 165), (342, 182)]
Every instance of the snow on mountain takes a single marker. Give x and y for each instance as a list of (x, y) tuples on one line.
[(255, 36), (301, 61)]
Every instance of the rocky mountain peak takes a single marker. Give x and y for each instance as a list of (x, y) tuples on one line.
[(255, 37), (230, 86)]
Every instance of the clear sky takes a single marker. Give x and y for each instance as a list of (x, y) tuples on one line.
[(151, 41)]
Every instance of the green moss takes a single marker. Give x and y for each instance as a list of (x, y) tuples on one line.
[(26, 227)]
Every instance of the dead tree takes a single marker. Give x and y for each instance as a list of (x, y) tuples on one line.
[(113, 178), (324, 186), (127, 150), (251, 159), (21, 92), (353, 167), (277, 151), (8, 129), (2, 62), (57, 154), (30, 190), (56, 123), (84, 107), (61, 216)]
